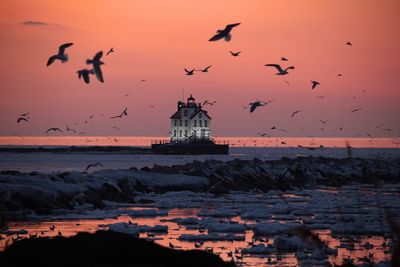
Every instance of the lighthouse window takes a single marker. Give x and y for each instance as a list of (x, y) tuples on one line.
[(200, 115), (175, 123), (180, 122), (200, 123), (186, 133), (205, 123), (180, 133), (186, 123), (185, 113), (195, 123)]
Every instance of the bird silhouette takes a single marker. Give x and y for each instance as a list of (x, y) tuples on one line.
[(61, 55), (257, 104), (25, 114), (225, 33), (97, 164), (284, 59), (323, 122), (314, 84), (295, 112), (349, 44), (70, 130), (279, 68), (205, 69), (54, 130), (263, 134), (235, 54), (110, 51), (84, 73), (321, 96), (22, 119), (189, 72), (95, 61), (206, 102), (355, 110), (124, 113)]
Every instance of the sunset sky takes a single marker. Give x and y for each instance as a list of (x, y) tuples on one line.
[(156, 40)]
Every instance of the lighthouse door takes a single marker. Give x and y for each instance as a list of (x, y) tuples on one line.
[(203, 133)]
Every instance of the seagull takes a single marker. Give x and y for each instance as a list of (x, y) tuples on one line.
[(209, 103), (235, 54), (96, 65), (54, 129), (263, 134), (97, 164), (321, 96), (61, 54), (70, 129), (205, 69), (225, 33), (124, 113), (189, 72), (258, 103), (273, 128), (339, 74), (25, 114), (295, 112), (115, 127), (349, 44), (314, 84), (284, 59), (110, 51), (355, 110), (142, 80), (85, 74), (279, 68), (21, 119), (323, 122)]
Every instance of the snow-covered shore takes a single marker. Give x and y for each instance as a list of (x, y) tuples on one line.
[(43, 192)]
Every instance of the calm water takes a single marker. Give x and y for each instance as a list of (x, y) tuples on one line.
[(240, 147)]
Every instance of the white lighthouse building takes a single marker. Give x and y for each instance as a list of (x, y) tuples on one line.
[(190, 122)]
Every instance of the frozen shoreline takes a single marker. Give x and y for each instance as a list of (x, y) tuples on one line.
[(43, 192)]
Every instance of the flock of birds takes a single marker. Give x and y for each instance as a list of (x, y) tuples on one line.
[(225, 34)]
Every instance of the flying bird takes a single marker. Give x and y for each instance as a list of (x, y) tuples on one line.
[(115, 127), (257, 104), (54, 129), (124, 113), (225, 33), (84, 73), (189, 72), (295, 112), (70, 130), (321, 96), (314, 84), (323, 122), (349, 44), (284, 59), (22, 119), (355, 110), (235, 54), (339, 74), (263, 134), (110, 51), (206, 102), (279, 68), (61, 54), (205, 69), (97, 164), (25, 114), (96, 65)]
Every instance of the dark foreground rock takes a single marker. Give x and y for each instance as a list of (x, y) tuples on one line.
[(104, 248)]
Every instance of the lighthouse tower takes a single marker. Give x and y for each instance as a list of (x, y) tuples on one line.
[(190, 122)]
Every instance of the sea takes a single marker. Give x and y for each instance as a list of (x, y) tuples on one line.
[(264, 148)]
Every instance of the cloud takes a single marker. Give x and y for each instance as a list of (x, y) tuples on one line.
[(35, 23)]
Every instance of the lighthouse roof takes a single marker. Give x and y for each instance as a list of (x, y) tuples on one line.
[(177, 115), (198, 111)]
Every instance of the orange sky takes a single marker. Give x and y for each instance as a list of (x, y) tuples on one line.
[(156, 40)]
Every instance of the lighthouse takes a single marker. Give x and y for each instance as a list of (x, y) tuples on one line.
[(190, 122)]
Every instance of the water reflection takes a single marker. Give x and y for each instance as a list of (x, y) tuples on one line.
[(359, 248)]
